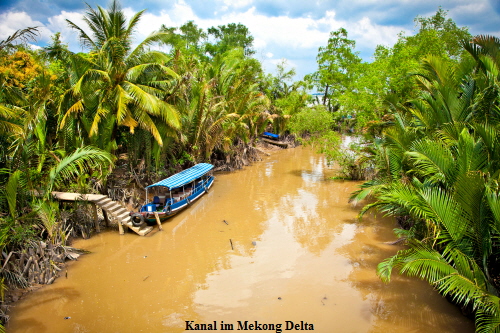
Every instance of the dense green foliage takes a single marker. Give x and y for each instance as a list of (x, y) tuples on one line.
[(358, 89), (428, 107), (438, 173)]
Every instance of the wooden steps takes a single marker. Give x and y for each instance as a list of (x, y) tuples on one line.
[(113, 208)]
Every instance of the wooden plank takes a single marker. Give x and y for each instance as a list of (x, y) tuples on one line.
[(106, 218), (260, 151), (141, 231), (66, 196), (7, 260)]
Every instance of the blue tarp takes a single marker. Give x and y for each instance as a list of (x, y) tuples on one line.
[(184, 177), (272, 135)]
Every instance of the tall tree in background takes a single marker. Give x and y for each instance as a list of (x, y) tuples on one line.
[(436, 36), (188, 38), (337, 68), (228, 37), (287, 97)]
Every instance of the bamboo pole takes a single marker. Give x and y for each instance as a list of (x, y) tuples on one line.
[(120, 228), (96, 219), (158, 221)]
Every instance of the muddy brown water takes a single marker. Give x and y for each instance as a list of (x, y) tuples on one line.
[(298, 254)]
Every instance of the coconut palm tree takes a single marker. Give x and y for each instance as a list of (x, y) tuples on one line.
[(116, 85)]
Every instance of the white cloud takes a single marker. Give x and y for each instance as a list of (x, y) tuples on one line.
[(471, 8), (283, 31), (238, 3), (69, 36), (369, 35), (10, 22), (275, 37), (34, 47), (180, 14), (272, 35)]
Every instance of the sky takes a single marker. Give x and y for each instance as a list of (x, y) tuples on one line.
[(292, 30)]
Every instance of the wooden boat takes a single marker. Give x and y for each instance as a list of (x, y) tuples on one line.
[(174, 193)]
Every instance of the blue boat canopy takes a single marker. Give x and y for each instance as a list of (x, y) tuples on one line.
[(184, 177)]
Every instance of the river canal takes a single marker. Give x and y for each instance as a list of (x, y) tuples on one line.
[(292, 251)]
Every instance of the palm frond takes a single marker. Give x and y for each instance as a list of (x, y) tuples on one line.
[(82, 160), (419, 261), (432, 159), (47, 211), (84, 38), (493, 199), (154, 37), (11, 189), (488, 321), (442, 209), (25, 35)]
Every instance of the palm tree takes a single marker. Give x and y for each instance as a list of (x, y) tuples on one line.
[(453, 274), (116, 85), (218, 102), (441, 162), (234, 78)]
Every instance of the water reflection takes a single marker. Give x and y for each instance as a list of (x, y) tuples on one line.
[(402, 295)]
